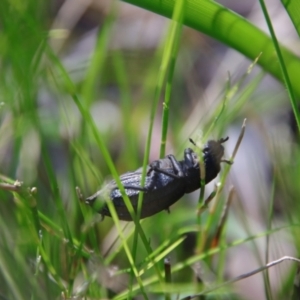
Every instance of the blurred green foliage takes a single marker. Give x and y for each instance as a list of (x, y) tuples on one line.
[(71, 120)]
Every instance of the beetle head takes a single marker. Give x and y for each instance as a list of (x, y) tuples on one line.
[(215, 149)]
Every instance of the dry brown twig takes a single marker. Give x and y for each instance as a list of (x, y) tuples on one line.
[(243, 276)]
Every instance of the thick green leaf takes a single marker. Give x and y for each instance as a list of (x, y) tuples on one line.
[(233, 30), (293, 9)]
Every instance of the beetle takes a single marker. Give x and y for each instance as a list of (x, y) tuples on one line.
[(166, 181)]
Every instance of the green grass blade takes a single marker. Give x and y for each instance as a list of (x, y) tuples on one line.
[(283, 64), (170, 55)]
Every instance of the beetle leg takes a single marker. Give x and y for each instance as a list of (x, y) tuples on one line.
[(159, 170), (154, 166), (227, 161), (176, 166), (137, 188), (168, 210), (188, 158)]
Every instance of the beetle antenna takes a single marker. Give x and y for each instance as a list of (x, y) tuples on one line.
[(221, 141), (192, 141)]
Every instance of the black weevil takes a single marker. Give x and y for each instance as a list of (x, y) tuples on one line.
[(167, 180)]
